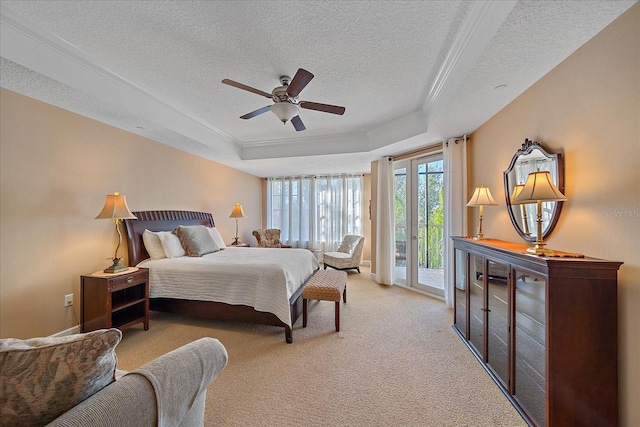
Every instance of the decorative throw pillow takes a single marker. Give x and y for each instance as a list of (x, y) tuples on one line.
[(153, 245), (217, 237), (44, 377), (171, 244), (196, 240)]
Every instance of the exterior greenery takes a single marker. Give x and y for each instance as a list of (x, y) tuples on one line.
[(430, 212)]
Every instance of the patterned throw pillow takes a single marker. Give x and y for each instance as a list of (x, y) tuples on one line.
[(44, 377)]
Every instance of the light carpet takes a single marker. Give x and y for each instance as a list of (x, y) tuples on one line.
[(395, 362)]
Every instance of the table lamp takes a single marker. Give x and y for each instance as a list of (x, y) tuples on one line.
[(116, 209), (481, 197), (236, 213), (539, 188)]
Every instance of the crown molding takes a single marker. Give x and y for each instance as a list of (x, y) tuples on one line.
[(480, 25), (27, 44), (356, 142)]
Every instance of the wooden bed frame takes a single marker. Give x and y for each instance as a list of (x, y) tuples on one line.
[(169, 220)]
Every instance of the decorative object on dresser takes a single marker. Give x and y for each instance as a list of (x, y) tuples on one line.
[(481, 197), (546, 331), (116, 209), (236, 213), (539, 188), (532, 157), (114, 300)]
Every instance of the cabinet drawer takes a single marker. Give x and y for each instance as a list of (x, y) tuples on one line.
[(126, 280)]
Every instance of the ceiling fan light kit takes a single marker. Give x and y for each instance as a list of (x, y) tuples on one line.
[(286, 103), (285, 111)]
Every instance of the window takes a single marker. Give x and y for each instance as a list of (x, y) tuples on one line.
[(315, 211)]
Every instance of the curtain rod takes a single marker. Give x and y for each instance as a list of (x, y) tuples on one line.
[(418, 152)]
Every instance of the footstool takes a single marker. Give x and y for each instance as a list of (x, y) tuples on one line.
[(325, 285)]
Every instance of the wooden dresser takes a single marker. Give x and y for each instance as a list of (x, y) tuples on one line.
[(544, 328)]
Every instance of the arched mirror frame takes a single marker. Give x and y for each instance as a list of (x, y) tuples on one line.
[(528, 147)]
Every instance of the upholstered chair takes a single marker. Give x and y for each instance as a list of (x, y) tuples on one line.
[(348, 255), (269, 238)]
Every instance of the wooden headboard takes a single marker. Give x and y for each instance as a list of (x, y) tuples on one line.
[(158, 221)]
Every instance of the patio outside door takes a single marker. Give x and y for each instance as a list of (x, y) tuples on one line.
[(419, 223)]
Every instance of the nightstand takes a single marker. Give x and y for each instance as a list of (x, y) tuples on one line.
[(114, 300)]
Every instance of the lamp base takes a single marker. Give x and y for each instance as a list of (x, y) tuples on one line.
[(479, 237), (116, 267), (236, 242)]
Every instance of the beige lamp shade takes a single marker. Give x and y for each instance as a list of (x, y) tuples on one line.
[(516, 190), (115, 207), (482, 197), (237, 211), (539, 187)]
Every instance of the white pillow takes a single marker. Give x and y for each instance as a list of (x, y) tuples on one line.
[(217, 237), (171, 244), (153, 245)]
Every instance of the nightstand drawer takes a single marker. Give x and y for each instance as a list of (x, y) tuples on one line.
[(127, 280)]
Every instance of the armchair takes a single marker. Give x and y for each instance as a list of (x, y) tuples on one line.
[(347, 256), (269, 238)]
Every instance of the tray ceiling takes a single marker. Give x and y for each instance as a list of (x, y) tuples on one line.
[(410, 73)]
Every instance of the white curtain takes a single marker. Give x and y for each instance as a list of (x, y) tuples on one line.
[(455, 221), (385, 247), (315, 211)]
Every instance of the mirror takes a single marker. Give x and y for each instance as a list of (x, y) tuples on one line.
[(531, 158)]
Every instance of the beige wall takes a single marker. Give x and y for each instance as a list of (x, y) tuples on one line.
[(56, 169), (589, 108)]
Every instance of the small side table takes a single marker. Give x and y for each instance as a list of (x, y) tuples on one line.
[(114, 300)]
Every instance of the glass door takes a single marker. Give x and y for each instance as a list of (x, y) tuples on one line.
[(419, 223)]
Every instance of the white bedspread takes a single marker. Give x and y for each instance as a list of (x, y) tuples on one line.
[(261, 278)]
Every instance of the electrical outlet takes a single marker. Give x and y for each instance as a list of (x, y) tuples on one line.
[(68, 300)]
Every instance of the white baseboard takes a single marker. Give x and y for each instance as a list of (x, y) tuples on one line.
[(70, 331)]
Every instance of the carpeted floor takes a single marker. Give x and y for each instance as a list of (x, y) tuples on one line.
[(395, 362)]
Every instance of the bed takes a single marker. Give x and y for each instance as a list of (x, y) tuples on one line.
[(265, 289)]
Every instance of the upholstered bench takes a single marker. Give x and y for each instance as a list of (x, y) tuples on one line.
[(325, 285)]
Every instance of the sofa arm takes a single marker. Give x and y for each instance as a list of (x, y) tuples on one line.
[(168, 391)]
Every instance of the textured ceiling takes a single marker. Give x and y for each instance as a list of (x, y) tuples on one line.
[(409, 73)]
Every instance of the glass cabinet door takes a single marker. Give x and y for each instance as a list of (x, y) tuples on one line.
[(476, 303), (498, 320), (460, 319), (530, 344)]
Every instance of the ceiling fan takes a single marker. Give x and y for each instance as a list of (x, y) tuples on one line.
[(286, 103)]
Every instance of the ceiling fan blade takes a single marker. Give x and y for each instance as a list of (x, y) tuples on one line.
[(247, 88), (296, 121), (325, 108), (300, 80), (257, 112)]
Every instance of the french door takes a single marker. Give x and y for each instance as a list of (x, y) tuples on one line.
[(419, 223)]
